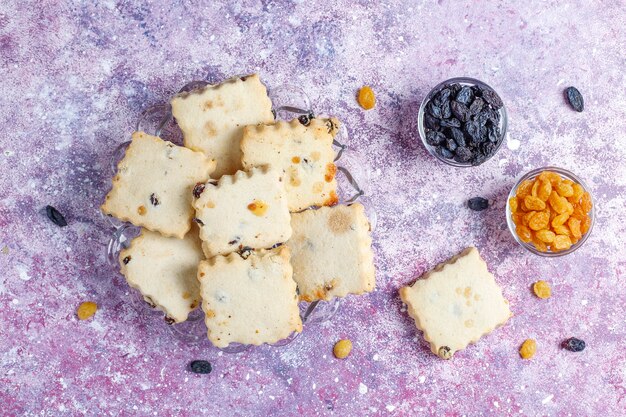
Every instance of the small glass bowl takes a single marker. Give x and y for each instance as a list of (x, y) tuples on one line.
[(422, 130), (529, 246)]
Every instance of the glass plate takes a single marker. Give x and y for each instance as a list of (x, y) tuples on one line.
[(353, 179)]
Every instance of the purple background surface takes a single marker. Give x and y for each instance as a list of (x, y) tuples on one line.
[(76, 77)]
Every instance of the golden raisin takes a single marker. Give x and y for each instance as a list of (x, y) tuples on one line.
[(542, 289), (585, 202), (545, 189), (545, 235), (578, 192), (564, 189), (561, 230), (528, 349), (534, 203), (527, 217), (585, 225), (366, 98), (513, 204), (342, 349), (550, 176), (562, 242), (524, 233), (524, 189), (560, 219), (295, 159), (558, 203), (257, 207), (141, 210), (535, 188), (539, 221), (86, 310), (539, 245), (574, 227)]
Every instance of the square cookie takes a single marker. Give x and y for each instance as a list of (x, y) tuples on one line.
[(212, 118), (456, 303), (250, 301), (304, 154), (164, 270), (331, 252), (245, 210), (152, 187)]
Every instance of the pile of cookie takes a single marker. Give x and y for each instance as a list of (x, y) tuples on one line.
[(243, 219)]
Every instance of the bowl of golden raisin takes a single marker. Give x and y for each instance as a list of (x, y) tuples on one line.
[(550, 212)]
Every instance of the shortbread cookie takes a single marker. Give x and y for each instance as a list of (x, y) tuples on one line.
[(212, 118), (250, 301), (331, 252), (245, 210), (164, 270), (152, 187), (304, 154), (456, 303)]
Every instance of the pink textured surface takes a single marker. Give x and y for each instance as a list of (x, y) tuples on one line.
[(75, 79)]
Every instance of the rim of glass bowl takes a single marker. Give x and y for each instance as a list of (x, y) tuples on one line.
[(529, 246), (422, 130), (289, 101)]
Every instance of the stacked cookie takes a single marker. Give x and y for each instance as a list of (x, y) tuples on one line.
[(247, 182)]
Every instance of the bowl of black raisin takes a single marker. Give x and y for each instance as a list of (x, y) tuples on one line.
[(462, 122)]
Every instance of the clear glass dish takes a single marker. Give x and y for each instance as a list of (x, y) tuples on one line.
[(353, 179), (529, 246), (422, 129)]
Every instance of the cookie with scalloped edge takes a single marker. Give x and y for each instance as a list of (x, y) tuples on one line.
[(164, 270), (331, 252), (456, 303), (250, 301), (212, 118), (245, 210), (304, 153), (153, 184)]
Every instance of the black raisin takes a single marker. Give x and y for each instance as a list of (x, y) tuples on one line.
[(154, 200), (444, 352), (434, 110), (169, 320), (476, 106), (234, 241), (444, 95), (492, 98), (55, 217), (431, 122), (453, 122), (305, 119), (462, 154), (478, 203), (575, 99), (460, 111), (457, 135), (473, 130), (200, 367), (574, 345), (465, 96), (454, 89), (197, 220), (434, 138), (451, 145), (445, 153), (274, 113), (198, 189), (487, 148), (329, 124), (493, 133), (446, 112), (126, 260)]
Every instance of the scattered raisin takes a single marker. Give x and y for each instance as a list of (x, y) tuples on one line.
[(574, 345), (478, 203), (198, 189), (444, 352), (55, 217), (366, 98), (200, 367), (528, 349), (575, 99), (86, 310), (542, 289), (342, 349)]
